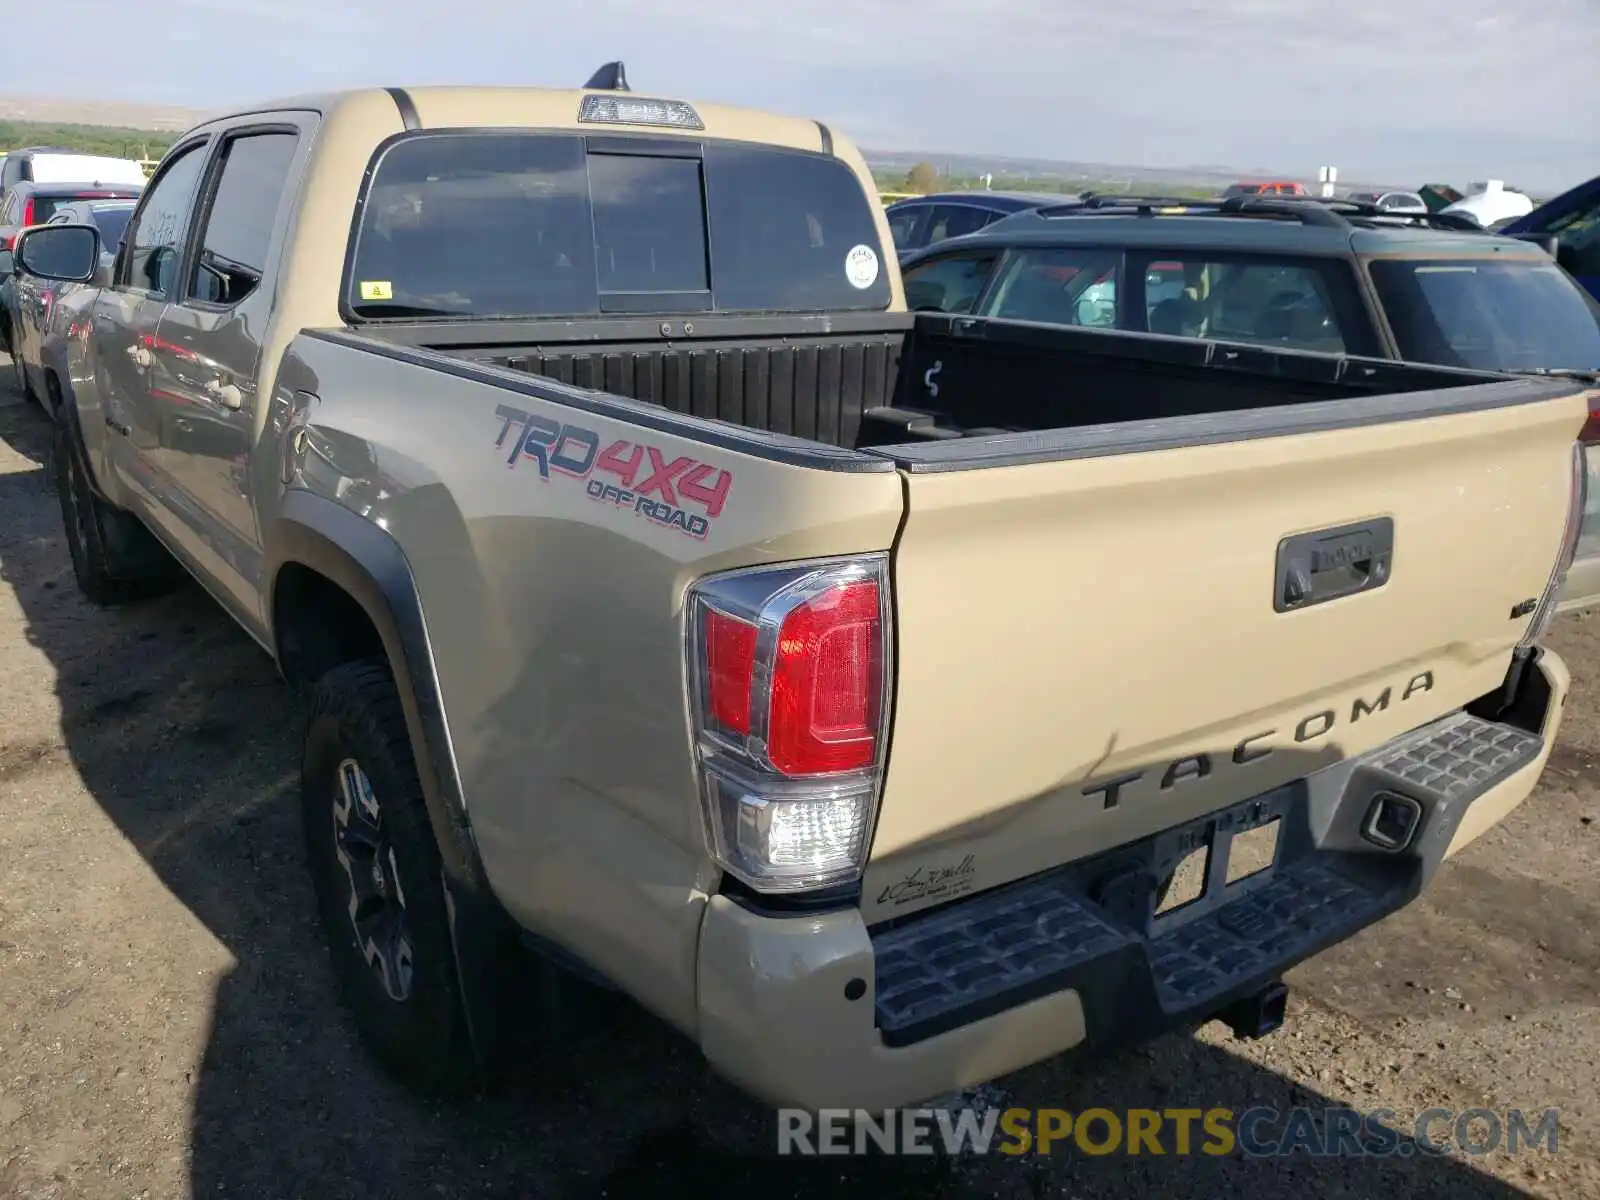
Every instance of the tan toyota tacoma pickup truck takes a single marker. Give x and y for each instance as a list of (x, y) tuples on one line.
[(855, 690)]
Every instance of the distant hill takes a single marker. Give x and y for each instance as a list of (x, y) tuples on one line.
[(46, 110), (1008, 171)]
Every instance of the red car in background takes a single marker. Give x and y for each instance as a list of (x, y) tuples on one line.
[(1272, 187)]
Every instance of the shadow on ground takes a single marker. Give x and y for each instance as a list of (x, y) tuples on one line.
[(184, 735)]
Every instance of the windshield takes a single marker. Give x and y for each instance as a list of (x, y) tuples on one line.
[(534, 225), (1507, 315)]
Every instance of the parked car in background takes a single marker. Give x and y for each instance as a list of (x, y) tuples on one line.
[(56, 164), (1397, 202), (35, 309), (1573, 220), (1272, 187), (1302, 274), (1492, 204), (31, 203), (35, 203), (923, 220)]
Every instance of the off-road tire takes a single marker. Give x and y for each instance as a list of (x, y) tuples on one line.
[(114, 557), (423, 1039)]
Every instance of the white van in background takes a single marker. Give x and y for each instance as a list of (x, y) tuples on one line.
[(49, 164)]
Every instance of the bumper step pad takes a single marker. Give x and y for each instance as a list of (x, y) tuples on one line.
[(983, 955)]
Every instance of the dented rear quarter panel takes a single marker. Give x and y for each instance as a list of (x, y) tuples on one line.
[(556, 627)]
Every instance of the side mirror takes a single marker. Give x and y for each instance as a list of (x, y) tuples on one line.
[(67, 253)]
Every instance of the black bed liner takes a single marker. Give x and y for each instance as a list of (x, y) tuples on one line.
[(868, 381)]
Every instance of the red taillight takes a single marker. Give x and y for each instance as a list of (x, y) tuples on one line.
[(27, 212), (825, 682), (730, 670), (789, 670)]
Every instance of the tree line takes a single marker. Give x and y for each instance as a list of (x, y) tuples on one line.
[(110, 140)]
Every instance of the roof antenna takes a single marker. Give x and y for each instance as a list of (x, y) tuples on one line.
[(609, 78)]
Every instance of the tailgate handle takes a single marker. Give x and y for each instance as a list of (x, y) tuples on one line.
[(1328, 563)]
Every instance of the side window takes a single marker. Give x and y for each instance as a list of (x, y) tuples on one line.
[(903, 224), (1059, 287), (156, 243), (947, 285), (1260, 303), (956, 220), (238, 224)]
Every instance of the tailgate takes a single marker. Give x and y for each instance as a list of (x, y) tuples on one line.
[(1096, 647)]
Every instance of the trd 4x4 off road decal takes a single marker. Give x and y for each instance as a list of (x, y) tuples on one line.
[(643, 479)]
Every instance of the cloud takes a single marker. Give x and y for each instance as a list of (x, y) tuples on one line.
[(1405, 90)]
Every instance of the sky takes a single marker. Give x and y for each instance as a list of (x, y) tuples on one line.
[(1402, 91)]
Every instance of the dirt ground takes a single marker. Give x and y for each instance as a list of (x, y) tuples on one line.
[(168, 1026)]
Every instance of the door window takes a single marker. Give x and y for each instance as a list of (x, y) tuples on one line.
[(1059, 287), (956, 220), (947, 285), (239, 222), (1257, 302), (156, 244), (903, 224)]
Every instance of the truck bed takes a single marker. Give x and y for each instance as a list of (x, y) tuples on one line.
[(876, 380)]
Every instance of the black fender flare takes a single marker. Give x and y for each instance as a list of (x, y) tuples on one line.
[(369, 565)]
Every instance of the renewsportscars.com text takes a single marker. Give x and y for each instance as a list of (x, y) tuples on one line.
[(1329, 1132)]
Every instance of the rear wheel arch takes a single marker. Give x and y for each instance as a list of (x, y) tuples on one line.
[(340, 591)]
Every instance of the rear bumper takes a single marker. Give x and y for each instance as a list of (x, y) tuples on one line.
[(819, 1011)]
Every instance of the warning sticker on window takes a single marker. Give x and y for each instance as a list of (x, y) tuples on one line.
[(377, 289)]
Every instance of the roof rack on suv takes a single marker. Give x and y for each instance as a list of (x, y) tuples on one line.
[(1459, 222), (1323, 211), (1112, 202)]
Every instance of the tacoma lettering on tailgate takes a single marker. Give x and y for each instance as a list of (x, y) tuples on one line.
[(646, 480), (1251, 750)]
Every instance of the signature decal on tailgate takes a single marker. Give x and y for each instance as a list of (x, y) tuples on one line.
[(932, 883), (647, 482)]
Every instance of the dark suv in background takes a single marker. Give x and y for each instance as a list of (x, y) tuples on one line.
[(1332, 276), (924, 220)]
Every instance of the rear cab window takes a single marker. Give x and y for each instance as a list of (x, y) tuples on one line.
[(510, 224), (1495, 314)]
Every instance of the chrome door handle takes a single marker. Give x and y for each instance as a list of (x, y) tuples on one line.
[(225, 394)]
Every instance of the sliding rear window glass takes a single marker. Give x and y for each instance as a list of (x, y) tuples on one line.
[(539, 225)]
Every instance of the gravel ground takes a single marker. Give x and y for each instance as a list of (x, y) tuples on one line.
[(168, 1025)]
